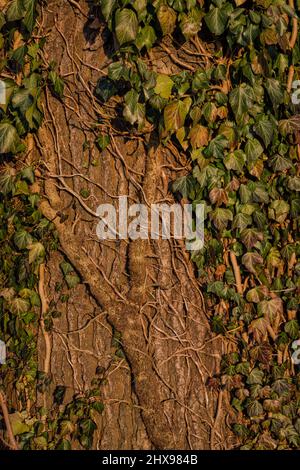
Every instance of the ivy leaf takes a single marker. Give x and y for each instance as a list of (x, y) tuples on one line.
[(102, 141), (72, 280), (59, 394), (255, 409), (250, 237), (175, 114), (22, 239), (241, 99), (146, 37), (235, 161), (259, 329), (221, 217), (199, 136), (64, 444), (262, 352), (279, 210), (10, 141), (28, 174), (256, 376), (105, 89), (191, 24), (259, 192), (16, 10), (107, 7), (271, 309), (167, 19), (140, 7), (18, 425), (294, 183), (183, 185), (253, 150), (66, 268), (117, 71), (218, 196), (241, 221), (36, 252), (6, 183), (216, 20), (22, 100), (274, 90), (280, 163), (216, 147), (30, 15), (251, 260), (164, 85), (257, 294), (264, 129), (98, 406), (273, 258), (9, 86), (57, 84), (281, 387), (87, 427), (126, 25), (19, 305), (292, 329), (134, 112)]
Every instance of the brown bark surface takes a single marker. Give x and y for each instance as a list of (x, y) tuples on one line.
[(157, 396)]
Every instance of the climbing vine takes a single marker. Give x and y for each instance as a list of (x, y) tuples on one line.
[(26, 239), (230, 109)]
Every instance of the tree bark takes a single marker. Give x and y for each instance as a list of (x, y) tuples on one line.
[(157, 396)]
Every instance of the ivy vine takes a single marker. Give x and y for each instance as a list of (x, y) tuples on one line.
[(26, 239), (232, 113)]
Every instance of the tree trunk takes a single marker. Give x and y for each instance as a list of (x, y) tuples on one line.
[(157, 395)]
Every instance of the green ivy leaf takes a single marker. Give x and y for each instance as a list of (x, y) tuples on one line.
[(107, 7), (10, 141), (221, 217), (216, 147), (292, 329), (30, 15), (235, 161), (264, 129), (102, 142), (167, 19), (146, 37), (279, 210), (183, 185), (22, 239), (253, 150), (18, 306), (255, 409), (241, 99), (16, 10), (274, 90), (64, 444), (256, 376), (216, 20), (126, 25), (57, 83), (72, 280), (164, 85), (134, 112)]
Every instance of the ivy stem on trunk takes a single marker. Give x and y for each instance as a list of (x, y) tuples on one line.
[(237, 272)]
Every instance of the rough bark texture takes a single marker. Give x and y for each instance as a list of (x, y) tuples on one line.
[(158, 396)]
